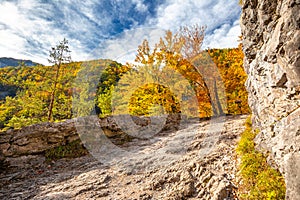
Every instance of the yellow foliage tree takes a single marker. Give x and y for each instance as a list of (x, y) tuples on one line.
[(230, 65)]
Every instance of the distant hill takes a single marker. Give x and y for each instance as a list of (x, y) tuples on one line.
[(4, 62)]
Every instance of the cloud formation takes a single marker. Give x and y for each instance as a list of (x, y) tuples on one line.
[(107, 28)]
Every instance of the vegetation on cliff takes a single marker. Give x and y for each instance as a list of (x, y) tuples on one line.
[(259, 180)]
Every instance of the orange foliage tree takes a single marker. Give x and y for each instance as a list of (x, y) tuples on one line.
[(182, 53), (230, 65)]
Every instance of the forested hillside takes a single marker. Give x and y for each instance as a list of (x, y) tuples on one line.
[(28, 90), (4, 62)]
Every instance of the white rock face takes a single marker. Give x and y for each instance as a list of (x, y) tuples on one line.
[(271, 40)]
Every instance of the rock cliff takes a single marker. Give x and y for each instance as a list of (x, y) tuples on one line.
[(271, 43)]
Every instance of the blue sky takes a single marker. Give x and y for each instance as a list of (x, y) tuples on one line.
[(108, 28)]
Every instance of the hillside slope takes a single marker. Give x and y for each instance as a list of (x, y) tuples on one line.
[(196, 162), (12, 62)]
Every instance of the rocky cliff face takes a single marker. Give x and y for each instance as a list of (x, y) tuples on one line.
[(271, 41)]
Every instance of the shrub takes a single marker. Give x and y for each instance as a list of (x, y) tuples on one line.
[(259, 180), (71, 150)]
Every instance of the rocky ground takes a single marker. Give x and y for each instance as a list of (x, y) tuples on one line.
[(196, 162)]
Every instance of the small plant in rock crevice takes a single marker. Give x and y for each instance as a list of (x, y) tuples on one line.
[(73, 149)]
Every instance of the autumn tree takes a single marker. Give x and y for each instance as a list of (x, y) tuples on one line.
[(58, 56), (192, 38), (181, 51), (230, 65), (145, 100)]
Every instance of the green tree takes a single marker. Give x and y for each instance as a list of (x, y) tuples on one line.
[(58, 56), (93, 86), (29, 103), (109, 79)]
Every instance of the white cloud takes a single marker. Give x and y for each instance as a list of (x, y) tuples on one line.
[(124, 47), (140, 6), (28, 28), (19, 29), (224, 37), (14, 32), (220, 17), (176, 13)]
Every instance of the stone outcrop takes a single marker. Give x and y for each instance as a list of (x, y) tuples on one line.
[(24, 146), (36, 138), (271, 43), (156, 169)]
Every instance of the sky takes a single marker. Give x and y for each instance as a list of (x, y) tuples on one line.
[(109, 29)]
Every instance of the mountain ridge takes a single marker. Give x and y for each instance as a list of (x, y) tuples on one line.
[(14, 62)]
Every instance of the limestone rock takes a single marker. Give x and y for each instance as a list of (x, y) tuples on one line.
[(271, 43), (36, 139), (157, 169)]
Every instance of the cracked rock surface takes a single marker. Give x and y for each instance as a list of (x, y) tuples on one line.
[(271, 43), (204, 169)]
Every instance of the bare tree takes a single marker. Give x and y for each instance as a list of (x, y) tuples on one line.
[(58, 56), (193, 37)]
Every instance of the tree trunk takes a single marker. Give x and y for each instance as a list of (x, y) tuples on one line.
[(220, 109), (210, 100), (50, 109), (52, 97), (214, 109)]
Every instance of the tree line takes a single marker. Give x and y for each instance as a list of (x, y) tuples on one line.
[(69, 89)]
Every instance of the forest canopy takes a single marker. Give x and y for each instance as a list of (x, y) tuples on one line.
[(175, 76)]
